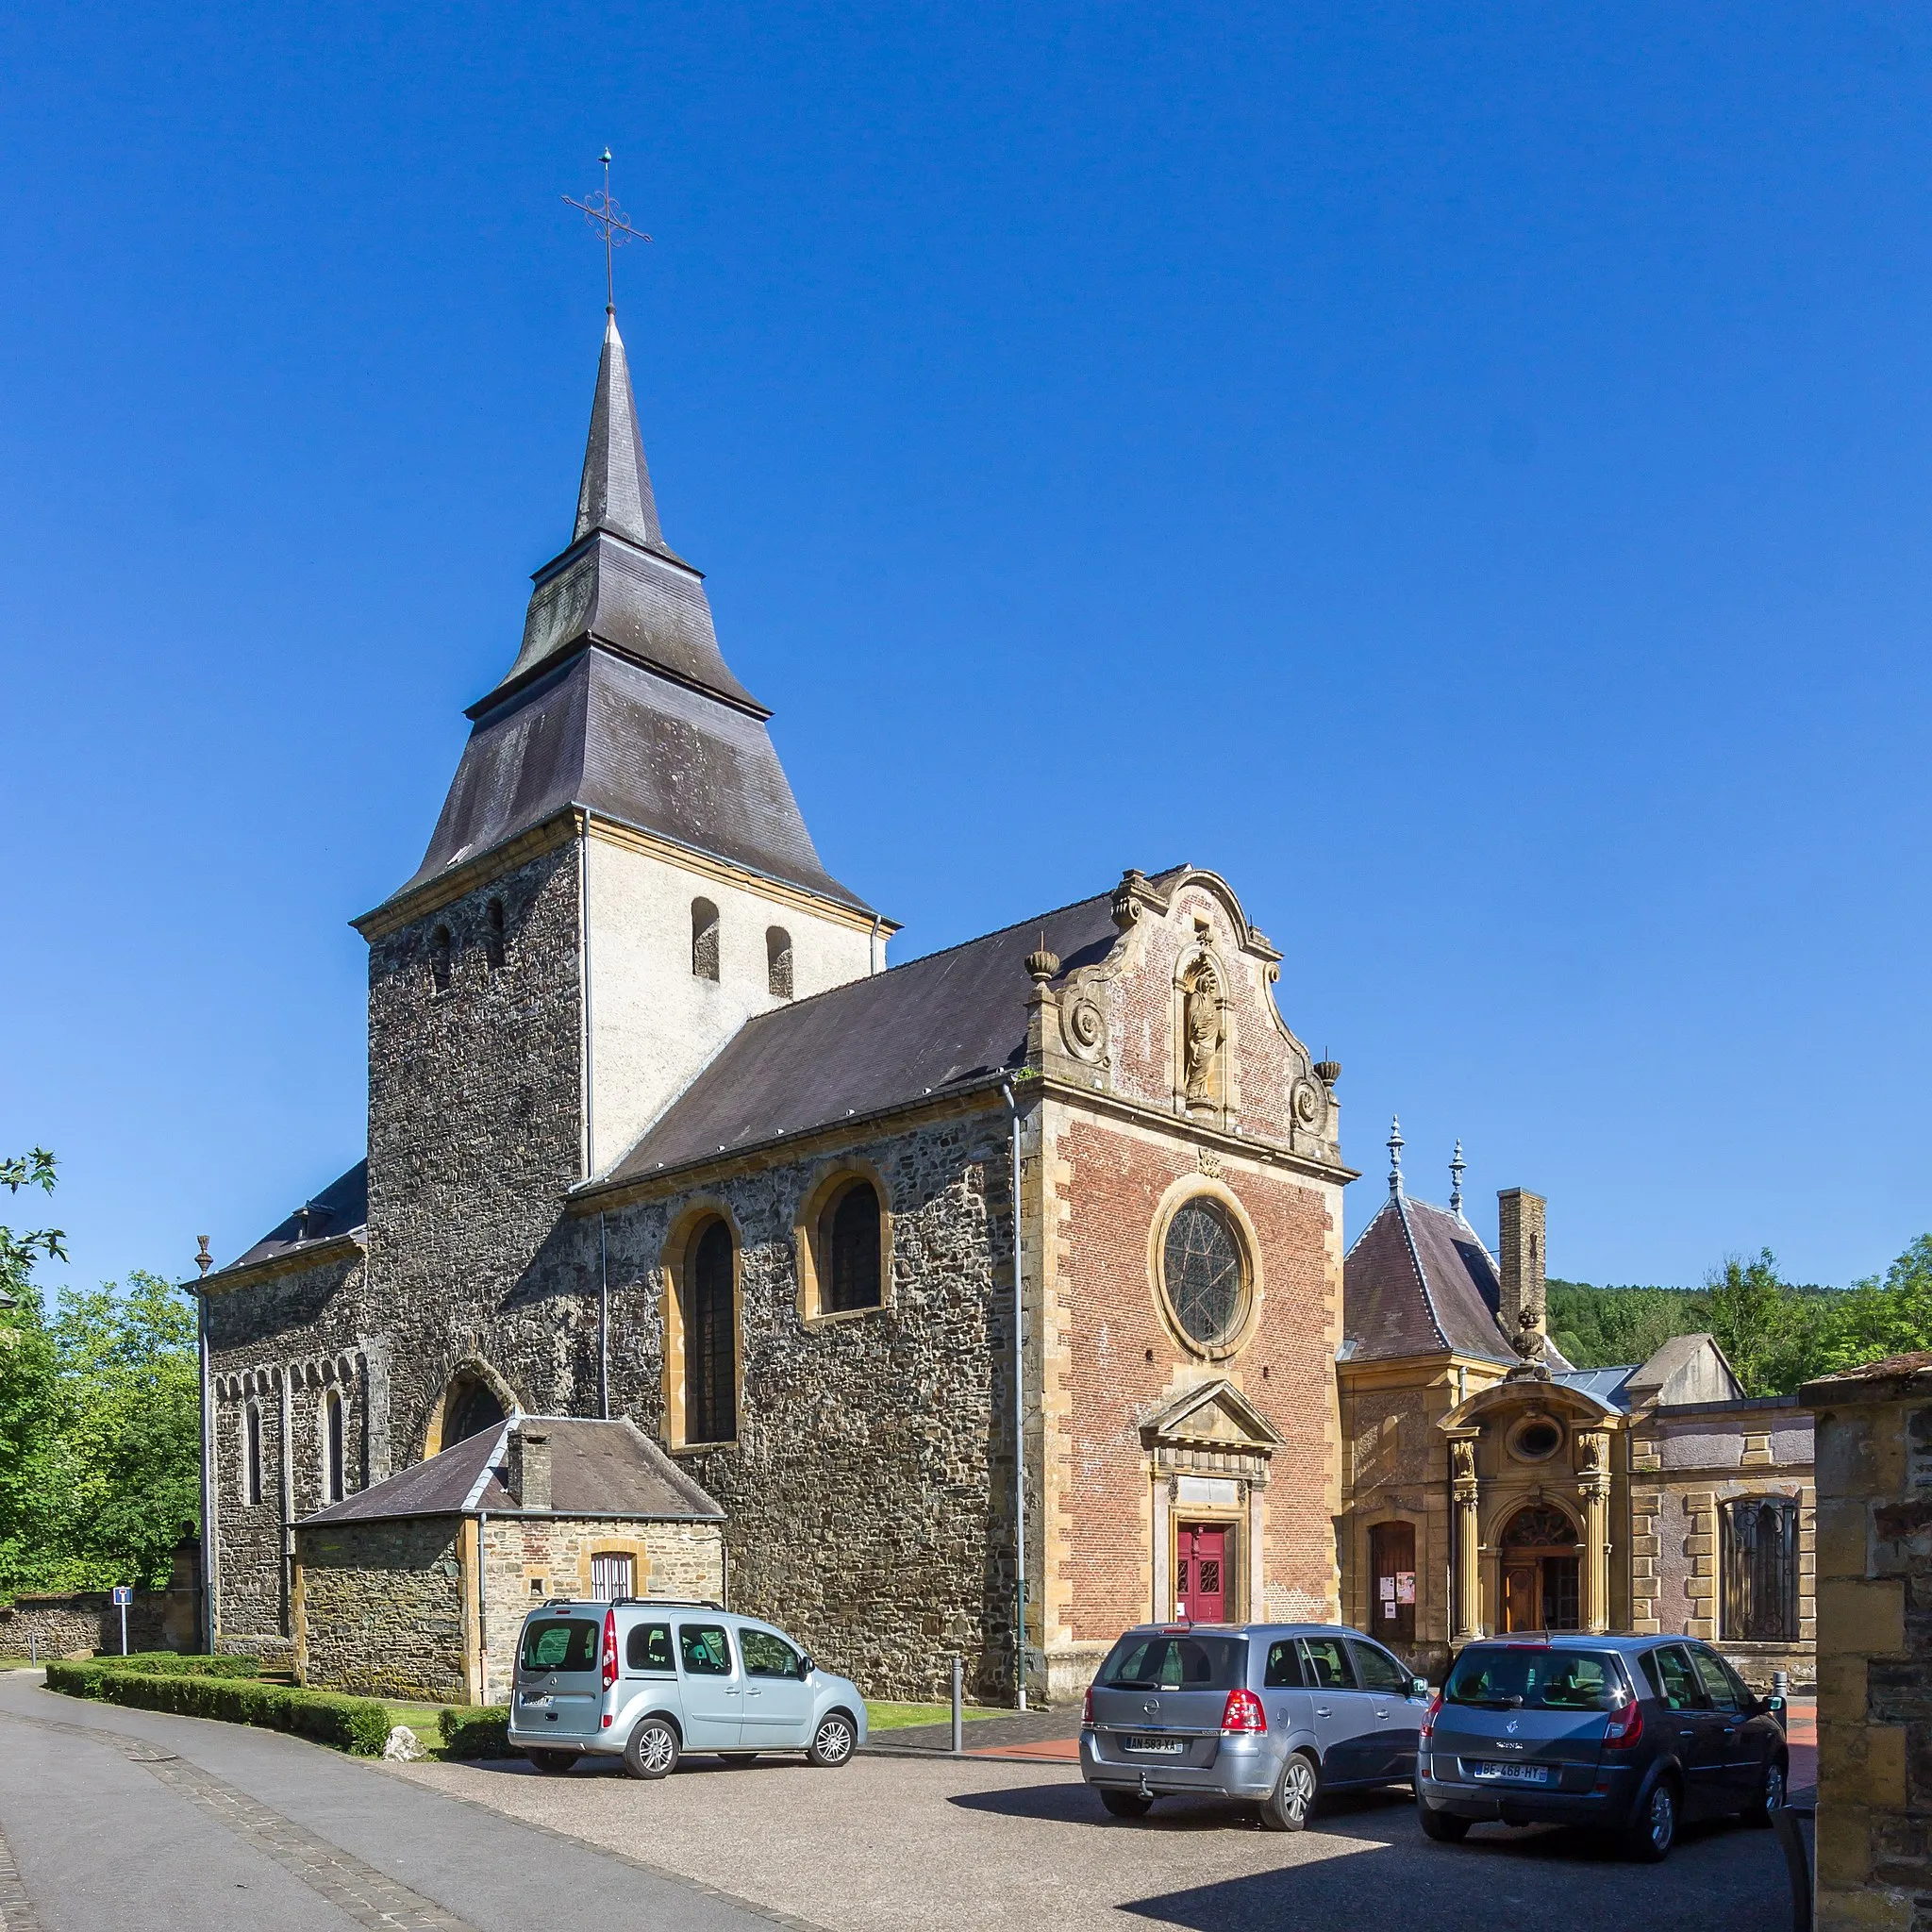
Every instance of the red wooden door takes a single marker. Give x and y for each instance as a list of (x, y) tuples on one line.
[(1199, 1573)]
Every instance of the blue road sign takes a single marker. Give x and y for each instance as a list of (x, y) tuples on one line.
[(124, 1592)]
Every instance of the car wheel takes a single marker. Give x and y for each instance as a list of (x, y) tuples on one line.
[(1769, 1795), (1649, 1836), (834, 1741), (554, 1762), (1126, 1804), (654, 1750), (1444, 1827), (1291, 1803)]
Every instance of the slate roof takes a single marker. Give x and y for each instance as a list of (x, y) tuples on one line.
[(597, 1469), (342, 1207), (874, 1043), (1418, 1279), (619, 700), (1608, 1385)]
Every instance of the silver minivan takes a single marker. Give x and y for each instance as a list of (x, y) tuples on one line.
[(647, 1680), (1268, 1714)]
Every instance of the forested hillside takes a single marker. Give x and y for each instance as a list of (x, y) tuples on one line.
[(1777, 1333)]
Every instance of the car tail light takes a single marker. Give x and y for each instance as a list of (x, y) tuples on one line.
[(1428, 1728), (1087, 1706), (1243, 1712), (1625, 1727), (609, 1648)]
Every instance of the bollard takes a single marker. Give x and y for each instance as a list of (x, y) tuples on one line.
[(1781, 1684), (958, 1715), (33, 1649)]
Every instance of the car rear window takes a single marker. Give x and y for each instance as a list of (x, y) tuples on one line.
[(1529, 1677), (560, 1643), (1167, 1662)]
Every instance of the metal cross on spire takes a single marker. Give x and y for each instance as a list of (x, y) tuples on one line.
[(602, 212)]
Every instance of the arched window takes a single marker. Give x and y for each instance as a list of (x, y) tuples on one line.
[(710, 1339), (492, 934), (704, 940), (334, 1474), (469, 1407), (251, 1454), (849, 1249), (778, 961), (440, 948)]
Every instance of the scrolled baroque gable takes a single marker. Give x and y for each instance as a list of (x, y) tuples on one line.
[(1180, 1015)]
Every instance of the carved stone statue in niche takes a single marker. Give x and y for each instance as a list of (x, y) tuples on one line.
[(1590, 1455), (1201, 1031), (1464, 1453)]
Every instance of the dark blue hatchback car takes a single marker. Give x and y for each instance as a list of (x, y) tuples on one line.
[(1630, 1735)]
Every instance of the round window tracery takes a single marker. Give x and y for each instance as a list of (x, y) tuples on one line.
[(1204, 1273)]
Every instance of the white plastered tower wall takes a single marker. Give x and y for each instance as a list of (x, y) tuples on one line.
[(654, 1022)]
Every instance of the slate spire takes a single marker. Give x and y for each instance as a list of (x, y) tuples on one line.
[(615, 493)]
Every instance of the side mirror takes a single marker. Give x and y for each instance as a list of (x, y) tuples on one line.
[(806, 1666)]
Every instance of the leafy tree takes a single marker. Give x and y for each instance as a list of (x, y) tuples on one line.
[(29, 1389)]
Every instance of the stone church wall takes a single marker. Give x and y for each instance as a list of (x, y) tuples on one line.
[(870, 1480), (474, 1136), (266, 1335), (1119, 1361)]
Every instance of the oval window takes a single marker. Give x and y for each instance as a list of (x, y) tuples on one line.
[(1537, 1439), (1203, 1274)]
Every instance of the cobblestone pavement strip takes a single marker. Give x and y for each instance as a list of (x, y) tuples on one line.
[(889, 1844), (16, 1909)]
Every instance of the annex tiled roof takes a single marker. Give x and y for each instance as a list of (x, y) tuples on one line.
[(597, 1469), (1418, 1279), (342, 1207), (874, 1043)]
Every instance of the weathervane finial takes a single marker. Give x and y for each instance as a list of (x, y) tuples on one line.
[(602, 212), (1395, 1145), (1457, 1167)]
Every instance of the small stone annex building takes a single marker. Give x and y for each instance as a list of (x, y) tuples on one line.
[(999, 1291), (416, 1587), (1489, 1486)]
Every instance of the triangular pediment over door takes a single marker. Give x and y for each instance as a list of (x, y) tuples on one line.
[(1212, 1428)]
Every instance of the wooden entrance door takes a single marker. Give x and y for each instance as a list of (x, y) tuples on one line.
[(1540, 1570), (1201, 1580), (1391, 1587)]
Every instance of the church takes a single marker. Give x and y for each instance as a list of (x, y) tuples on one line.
[(985, 1304)]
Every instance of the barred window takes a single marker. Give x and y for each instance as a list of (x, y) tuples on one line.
[(1760, 1569)]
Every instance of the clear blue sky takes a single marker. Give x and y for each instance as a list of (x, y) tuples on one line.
[(1467, 480)]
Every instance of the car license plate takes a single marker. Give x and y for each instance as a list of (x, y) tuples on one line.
[(1513, 1774), (1161, 1747), (535, 1702)]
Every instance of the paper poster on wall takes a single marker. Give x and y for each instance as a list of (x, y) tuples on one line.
[(1388, 1609), (1405, 1586), (1385, 1589)]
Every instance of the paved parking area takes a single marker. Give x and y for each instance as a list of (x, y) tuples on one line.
[(900, 1842)]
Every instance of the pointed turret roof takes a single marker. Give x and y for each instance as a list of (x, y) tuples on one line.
[(619, 700), (615, 493)]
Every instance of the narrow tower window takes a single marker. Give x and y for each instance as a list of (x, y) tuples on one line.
[(492, 935), (440, 959), (704, 940), (332, 1456), (778, 961), (251, 1454)]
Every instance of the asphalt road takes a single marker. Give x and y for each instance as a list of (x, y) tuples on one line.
[(894, 1843), (127, 1820)]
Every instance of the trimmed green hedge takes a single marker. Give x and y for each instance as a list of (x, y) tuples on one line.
[(175, 1663), (357, 1725), (474, 1730)]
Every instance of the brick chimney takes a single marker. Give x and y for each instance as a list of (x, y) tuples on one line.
[(1520, 1244), (529, 1467)]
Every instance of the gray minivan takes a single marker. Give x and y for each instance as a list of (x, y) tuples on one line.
[(648, 1679), (1269, 1714)]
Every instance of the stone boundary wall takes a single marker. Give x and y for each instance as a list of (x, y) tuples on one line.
[(85, 1622)]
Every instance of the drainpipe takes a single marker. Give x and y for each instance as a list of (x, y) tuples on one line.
[(207, 1522), (482, 1612), (603, 1320), (1019, 1415)]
